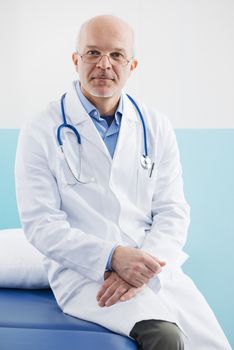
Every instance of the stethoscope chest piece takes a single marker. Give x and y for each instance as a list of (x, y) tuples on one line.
[(146, 162)]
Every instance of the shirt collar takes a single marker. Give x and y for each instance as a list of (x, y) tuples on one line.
[(91, 109)]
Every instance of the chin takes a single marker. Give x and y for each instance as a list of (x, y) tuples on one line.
[(96, 93)]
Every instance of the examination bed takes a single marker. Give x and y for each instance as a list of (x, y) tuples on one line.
[(30, 317)]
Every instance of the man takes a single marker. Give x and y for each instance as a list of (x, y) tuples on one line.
[(104, 202)]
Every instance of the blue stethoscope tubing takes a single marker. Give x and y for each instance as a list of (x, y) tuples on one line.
[(143, 124), (65, 124), (145, 159)]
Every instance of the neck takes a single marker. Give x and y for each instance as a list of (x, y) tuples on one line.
[(105, 105)]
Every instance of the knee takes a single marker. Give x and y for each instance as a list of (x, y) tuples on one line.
[(156, 334), (169, 336)]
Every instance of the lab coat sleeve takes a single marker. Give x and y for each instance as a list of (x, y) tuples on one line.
[(170, 211), (43, 221)]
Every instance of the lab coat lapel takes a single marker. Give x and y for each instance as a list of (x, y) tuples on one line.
[(123, 179), (127, 145)]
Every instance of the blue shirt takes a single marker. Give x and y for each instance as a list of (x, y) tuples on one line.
[(108, 129)]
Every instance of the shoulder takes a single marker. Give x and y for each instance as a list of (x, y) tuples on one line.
[(156, 122), (155, 116), (39, 132), (45, 120), (160, 132), (151, 115)]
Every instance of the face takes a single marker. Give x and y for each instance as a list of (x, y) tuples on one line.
[(104, 79)]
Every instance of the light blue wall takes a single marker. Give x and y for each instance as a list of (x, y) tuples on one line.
[(208, 167), (8, 213)]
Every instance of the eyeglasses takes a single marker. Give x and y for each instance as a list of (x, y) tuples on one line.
[(115, 58)]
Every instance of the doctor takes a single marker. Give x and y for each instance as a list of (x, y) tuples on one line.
[(102, 198)]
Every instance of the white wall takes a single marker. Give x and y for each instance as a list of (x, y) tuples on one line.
[(185, 47)]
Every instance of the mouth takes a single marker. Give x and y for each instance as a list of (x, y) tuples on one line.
[(102, 78)]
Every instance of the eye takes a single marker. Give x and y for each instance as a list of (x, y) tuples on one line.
[(93, 53), (117, 55)]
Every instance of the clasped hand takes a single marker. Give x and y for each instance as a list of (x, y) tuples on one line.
[(114, 288), (132, 269)]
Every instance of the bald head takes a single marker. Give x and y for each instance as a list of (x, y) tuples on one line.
[(106, 28), (104, 60)]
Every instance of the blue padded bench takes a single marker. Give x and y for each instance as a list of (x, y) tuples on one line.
[(31, 319)]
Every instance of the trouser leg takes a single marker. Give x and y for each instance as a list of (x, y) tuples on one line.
[(157, 335)]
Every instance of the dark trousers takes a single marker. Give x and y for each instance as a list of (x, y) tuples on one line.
[(157, 335)]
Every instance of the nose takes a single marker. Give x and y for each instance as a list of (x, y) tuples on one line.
[(104, 62)]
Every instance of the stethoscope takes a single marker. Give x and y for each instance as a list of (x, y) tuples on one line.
[(145, 160)]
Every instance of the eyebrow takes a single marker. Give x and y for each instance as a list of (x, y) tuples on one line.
[(119, 49)]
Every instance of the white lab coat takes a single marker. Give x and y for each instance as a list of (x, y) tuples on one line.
[(75, 225)]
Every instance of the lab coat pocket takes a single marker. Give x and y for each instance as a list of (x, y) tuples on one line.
[(145, 186)]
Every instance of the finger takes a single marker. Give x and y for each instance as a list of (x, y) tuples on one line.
[(108, 282), (128, 295), (161, 262), (141, 279), (132, 292), (135, 282), (108, 293), (100, 293), (153, 265), (117, 295), (148, 273)]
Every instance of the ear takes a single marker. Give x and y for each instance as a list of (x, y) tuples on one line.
[(75, 60), (134, 64)]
